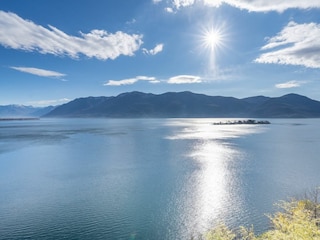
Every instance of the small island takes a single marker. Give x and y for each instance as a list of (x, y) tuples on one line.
[(241, 122)]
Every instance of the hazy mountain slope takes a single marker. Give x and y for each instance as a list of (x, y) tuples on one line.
[(16, 111)]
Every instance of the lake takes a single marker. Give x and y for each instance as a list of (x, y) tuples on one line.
[(149, 178)]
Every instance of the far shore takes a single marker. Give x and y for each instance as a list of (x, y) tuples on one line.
[(19, 119)]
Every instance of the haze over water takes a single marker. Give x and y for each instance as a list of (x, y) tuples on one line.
[(149, 178)]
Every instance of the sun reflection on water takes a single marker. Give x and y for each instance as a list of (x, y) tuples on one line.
[(214, 186), (215, 181)]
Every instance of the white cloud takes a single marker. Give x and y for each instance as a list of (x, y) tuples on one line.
[(39, 72), (133, 21), (158, 48), (130, 81), (145, 78), (42, 103), (296, 44), (254, 6), (184, 79), (213, 3), (18, 33), (290, 84), (156, 1), (183, 3), (169, 10)]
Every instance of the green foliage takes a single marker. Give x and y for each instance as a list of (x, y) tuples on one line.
[(247, 234), (297, 220), (220, 233)]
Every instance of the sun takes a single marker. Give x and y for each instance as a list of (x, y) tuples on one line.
[(212, 39)]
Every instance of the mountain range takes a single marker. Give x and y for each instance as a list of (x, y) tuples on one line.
[(188, 104), (17, 111)]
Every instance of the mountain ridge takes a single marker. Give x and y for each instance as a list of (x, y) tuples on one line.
[(21, 111), (188, 104)]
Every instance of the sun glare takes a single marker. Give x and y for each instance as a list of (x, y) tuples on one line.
[(212, 39)]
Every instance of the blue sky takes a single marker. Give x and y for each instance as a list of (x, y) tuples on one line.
[(54, 51)]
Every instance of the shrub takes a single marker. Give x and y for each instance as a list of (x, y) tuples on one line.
[(297, 220)]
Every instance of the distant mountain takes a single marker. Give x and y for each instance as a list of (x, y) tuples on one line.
[(289, 106), (188, 104), (17, 111), (256, 100)]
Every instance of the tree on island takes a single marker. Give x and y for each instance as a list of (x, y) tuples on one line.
[(240, 122)]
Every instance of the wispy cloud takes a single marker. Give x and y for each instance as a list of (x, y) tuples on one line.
[(169, 10), (290, 84), (184, 79), (42, 103), (18, 33), (39, 72), (133, 21), (296, 44), (183, 3), (130, 81), (157, 49), (254, 6)]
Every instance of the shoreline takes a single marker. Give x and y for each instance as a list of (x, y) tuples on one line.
[(19, 119)]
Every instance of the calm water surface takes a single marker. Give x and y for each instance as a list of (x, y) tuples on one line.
[(149, 178)]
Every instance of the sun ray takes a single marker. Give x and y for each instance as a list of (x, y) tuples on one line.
[(213, 39)]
